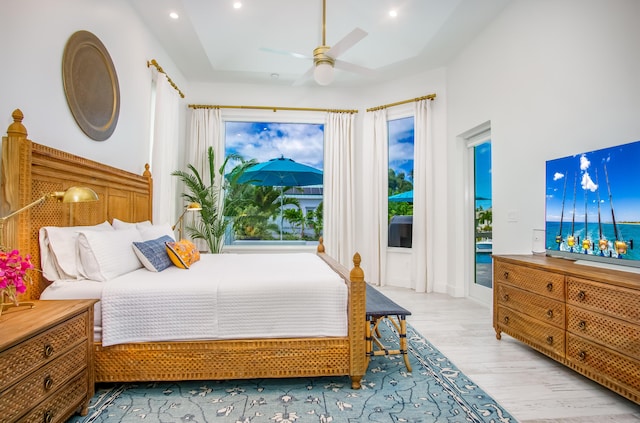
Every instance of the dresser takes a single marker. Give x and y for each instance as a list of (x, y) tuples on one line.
[(47, 368), (584, 317)]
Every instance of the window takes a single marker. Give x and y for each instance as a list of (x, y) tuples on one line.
[(400, 190), (275, 213)]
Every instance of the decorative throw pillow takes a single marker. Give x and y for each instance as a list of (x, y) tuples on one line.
[(183, 253), (153, 253)]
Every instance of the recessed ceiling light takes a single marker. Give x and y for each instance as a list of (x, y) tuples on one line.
[(275, 76), (393, 13), (237, 5), (174, 15)]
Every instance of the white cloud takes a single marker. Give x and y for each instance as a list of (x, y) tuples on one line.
[(557, 176), (584, 162), (587, 182)]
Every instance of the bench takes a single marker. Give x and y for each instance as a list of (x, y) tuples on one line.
[(380, 307)]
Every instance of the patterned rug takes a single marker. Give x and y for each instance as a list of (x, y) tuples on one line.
[(436, 391)]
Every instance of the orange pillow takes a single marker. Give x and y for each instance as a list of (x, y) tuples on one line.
[(183, 253)]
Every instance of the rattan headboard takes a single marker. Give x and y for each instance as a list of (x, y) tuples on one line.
[(30, 170)]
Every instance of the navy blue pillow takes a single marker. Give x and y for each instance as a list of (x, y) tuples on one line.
[(153, 254)]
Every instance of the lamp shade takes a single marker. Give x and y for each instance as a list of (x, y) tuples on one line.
[(323, 73), (79, 195)]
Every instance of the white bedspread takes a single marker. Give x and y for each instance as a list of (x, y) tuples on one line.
[(227, 296)]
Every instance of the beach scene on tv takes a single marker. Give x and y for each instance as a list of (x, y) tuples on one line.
[(593, 204)]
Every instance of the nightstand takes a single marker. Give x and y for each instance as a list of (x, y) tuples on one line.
[(47, 361)]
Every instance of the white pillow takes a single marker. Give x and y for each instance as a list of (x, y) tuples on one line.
[(107, 255), (58, 251), (121, 224), (156, 231)]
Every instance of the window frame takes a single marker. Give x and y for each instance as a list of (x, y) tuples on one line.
[(395, 113), (271, 116)]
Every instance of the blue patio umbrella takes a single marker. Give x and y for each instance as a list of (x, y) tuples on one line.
[(406, 196), (281, 172)]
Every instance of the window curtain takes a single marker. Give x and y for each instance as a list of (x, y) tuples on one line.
[(338, 183), (375, 192), (205, 131), (423, 183), (164, 148)]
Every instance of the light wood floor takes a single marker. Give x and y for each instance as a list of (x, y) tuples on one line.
[(532, 387)]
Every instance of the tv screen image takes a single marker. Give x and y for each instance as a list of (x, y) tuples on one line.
[(592, 209)]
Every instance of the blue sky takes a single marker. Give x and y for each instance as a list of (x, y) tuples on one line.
[(401, 134), (586, 172), (301, 142)]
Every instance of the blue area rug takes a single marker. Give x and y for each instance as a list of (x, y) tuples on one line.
[(436, 391)]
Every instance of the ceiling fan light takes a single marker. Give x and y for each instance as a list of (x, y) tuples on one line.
[(323, 73)]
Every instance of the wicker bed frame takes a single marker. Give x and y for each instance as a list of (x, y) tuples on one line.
[(30, 170)]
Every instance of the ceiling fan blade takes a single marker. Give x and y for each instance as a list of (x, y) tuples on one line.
[(306, 76), (346, 43), (350, 67), (286, 53)]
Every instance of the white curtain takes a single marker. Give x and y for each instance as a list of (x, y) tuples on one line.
[(423, 199), (375, 169), (205, 131), (339, 202), (164, 151)]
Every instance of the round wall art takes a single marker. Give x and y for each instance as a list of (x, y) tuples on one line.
[(91, 85)]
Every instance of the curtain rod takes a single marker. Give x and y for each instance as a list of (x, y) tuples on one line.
[(173, 84), (274, 108), (426, 97)]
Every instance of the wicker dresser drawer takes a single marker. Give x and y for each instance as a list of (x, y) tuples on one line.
[(541, 282), (544, 337), (605, 365), (617, 334), (542, 308), (615, 301)]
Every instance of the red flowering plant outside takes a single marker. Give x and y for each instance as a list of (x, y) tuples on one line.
[(13, 274)]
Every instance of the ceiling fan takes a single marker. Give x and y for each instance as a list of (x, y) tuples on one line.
[(325, 57)]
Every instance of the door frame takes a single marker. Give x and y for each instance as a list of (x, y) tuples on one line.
[(471, 138)]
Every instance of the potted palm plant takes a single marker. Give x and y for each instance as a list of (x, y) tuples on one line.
[(212, 225)]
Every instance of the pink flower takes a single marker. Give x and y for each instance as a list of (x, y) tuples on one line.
[(13, 272)]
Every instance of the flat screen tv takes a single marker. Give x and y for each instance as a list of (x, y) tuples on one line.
[(592, 209)]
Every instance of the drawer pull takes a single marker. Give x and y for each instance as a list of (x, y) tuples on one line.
[(506, 320), (48, 417), (506, 297), (550, 340), (48, 350), (550, 286), (48, 383), (582, 325), (550, 314), (582, 355), (581, 295), (506, 275)]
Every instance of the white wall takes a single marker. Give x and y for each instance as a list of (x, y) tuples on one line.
[(33, 34), (554, 77)]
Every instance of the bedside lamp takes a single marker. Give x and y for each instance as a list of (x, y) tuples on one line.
[(192, 207), (71, 195)]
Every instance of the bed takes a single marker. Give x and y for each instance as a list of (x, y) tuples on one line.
[(30, 169)]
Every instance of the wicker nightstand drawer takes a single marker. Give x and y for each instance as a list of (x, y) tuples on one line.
[(616, 301), (47, 361), (58, 407), (541, 282), (542, 308), (24, 358), (33, 389), (543, 337)]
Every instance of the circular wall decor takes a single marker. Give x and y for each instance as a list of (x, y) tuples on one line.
[(91, 85)]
